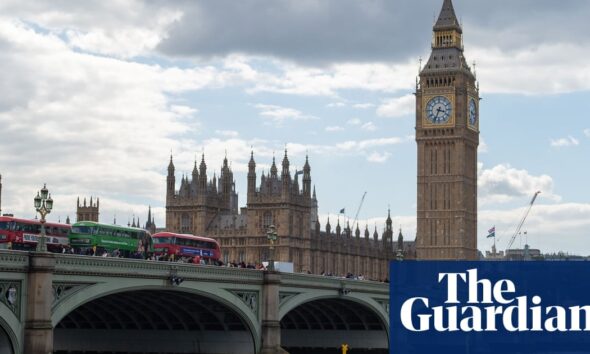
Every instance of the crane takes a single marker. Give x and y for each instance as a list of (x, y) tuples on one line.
[(358, 210), (524, 216)]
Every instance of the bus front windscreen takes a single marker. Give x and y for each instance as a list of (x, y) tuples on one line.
[(4, 225), (82, 230), (163, 240)]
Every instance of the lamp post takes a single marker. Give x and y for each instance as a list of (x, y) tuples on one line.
[(43, 205), (271, 234)]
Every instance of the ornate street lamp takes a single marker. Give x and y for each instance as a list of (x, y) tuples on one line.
[(43, 205), (271, 234)]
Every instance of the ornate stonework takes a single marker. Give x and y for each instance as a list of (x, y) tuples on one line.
[(209, 207), (447, 135)]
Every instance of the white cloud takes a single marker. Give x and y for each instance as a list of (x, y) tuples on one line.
[(227, 133), (354, 121), (564, 142), (363, 105), (378, 157), (483, 147), (542, 68), (334, 128), (279, 114), (336, 105), (369, 126), (502, 183), (301, 80), (568, 220), (397, 107)]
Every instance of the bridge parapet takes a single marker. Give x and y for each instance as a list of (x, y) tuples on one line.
[(14, 261), (138, 268)]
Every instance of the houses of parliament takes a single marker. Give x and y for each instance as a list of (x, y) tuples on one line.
[(209, 207), (447, 137)]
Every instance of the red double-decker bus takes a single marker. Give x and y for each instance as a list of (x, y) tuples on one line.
[(184, 245), (22, 234)]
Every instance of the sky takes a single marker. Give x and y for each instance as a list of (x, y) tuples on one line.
[(97, 94)]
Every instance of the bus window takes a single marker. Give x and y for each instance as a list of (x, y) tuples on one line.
[(83, 230), (4, 225)]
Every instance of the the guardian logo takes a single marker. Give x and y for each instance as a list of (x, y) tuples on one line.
[(490, 306)]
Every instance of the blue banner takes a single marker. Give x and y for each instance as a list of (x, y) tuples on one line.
[(489, 307)]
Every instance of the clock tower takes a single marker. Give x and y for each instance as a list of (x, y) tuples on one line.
[(447, 135)]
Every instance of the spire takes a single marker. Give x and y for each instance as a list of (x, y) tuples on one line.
[(273, 168), (203, 165), (171, 167), (149, 217), (328, 226), (285, 164), (357, 232), (375, 233), (306, 167), (68, 220), (314, 196), (367, 231), (447, 19), (195, 170), (251, 163)]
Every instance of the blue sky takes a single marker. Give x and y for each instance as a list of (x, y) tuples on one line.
[(97, 94)]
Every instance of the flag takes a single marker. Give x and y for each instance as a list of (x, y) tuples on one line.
[(492, 232), (342, 211)]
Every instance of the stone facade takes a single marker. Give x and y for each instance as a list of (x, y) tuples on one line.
[(209, 207), (447, 135), (86, 212)]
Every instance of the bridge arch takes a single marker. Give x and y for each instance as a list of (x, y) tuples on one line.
[(327, 319), (148, 288), (9, 343)]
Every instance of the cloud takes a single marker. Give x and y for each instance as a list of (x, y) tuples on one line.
[(363, 105), (369, 126), (587, 132), (397, 107), (568, 220), (564, 142), (279, 114), (227, 133), (334, 128), (483, 147), (336, 105), (503, 183), (354, 121), (378, 157)]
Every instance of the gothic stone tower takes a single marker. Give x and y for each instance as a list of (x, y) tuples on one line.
[(87, 212), (447, 135)]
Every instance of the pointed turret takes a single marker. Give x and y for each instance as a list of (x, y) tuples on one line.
[(195, 172), (202, 175), (251, 176), (68, 220), (171, 167), (367, 232), (338, 229), (357, 232), (400, 240), (285, 165), (307, 179), (170, 182), (375, 234), (447, 19), (328, 227), (273, 169)]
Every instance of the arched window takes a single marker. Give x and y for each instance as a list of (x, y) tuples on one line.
[(267, 219), (185, 223)]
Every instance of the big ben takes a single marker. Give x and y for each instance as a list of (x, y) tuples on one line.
[(447, 136)]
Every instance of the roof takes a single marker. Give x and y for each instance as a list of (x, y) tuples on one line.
[(447, 19)]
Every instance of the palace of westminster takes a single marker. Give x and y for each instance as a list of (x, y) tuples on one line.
[(447, 137)]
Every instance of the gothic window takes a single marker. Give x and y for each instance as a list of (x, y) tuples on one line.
[(267, 219), (226, 257), (185, 223), (242, 256)]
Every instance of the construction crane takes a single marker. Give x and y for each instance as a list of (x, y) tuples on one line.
[(524, 216), (358, 210)]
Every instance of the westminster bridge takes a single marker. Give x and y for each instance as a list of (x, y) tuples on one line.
[(56, 303)]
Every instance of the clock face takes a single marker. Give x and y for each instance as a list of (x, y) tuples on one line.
[(472, 112), (438, 110)]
